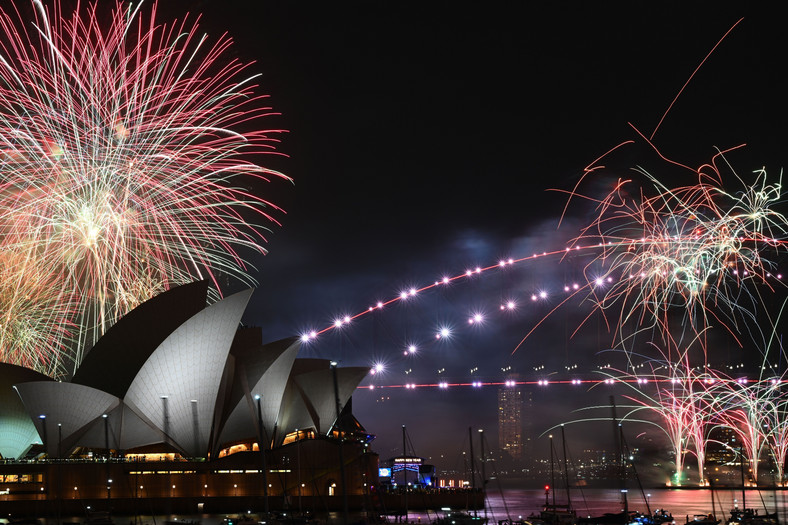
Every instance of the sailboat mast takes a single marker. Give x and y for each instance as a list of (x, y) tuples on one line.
[(619, 454), (566, 468), (405, 471), (473, 463), (552, 469), (484, 477), (741, 469)]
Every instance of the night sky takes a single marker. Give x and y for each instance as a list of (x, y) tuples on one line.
[(422, 141)]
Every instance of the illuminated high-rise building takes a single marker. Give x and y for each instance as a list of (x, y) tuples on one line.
[(510, 418)]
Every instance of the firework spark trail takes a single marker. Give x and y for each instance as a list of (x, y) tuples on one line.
[(776, 418), (692, 402), (680, 401), (130, 152), (757, 414), (673, 249), (687, 273), (33, 325), (675, 412), (741, 410)]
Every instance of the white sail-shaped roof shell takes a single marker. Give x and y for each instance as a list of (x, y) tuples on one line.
[(64, 412), (318, 387), (124, 430), (115, 359), (295, 412), (263, 372), (17, 431), (176, 388), (310, 401)]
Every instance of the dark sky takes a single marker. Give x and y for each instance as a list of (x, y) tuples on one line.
[(422, 139)]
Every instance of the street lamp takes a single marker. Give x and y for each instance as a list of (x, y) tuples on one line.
[(44, 440), (106, 434), (333, 365), (298, 467), (262, 445)]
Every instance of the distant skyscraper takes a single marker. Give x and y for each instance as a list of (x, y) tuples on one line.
[(510, 419), (527, 415)]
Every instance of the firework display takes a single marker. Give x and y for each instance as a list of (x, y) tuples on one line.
[(689, 261), (699, 406), (130, 159), (699, 249)]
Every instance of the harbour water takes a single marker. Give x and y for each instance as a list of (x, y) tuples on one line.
[(683, 504), (518, 503)]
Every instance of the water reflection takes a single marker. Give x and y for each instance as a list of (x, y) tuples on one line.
[(517, 503)]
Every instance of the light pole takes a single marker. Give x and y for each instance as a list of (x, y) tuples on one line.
[(484, 475), (106, 434), (262, 446), (59, 473), (341, 443), (106, 446), (44, 440), (404, 470), (298, 467)]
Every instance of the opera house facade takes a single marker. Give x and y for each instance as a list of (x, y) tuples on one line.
[(167, 414)]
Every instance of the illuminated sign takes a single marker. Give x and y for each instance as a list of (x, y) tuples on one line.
[(400, 467), (384, 472), (407, 460)]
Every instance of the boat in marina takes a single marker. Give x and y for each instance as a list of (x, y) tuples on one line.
[(555, 514), (702, 519), (611, 518), (625, 515), (749, 516), (459, 518), (658, 517)]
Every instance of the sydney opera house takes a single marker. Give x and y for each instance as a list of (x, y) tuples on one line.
[(168, 412)]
